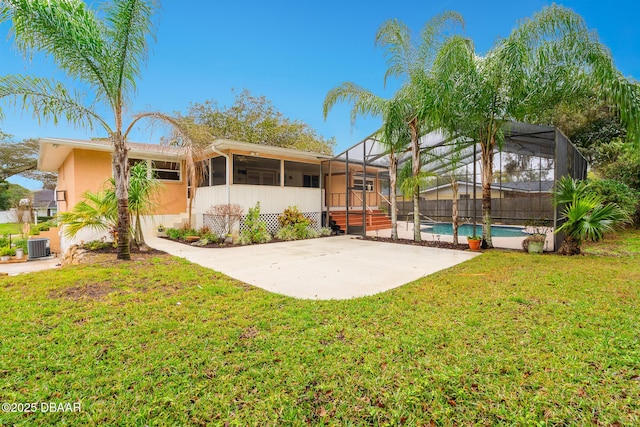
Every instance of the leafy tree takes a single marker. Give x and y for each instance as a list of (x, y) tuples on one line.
[(548, 60), (21, 158), (255, 119), (101, 50), (613, 191)]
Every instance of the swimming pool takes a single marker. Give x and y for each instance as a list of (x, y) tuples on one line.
[(446, 228)]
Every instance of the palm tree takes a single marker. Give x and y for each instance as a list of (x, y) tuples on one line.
[(393, 134), (103, 54), (98, 211), (548, 60), (585, 214), (411, 64)]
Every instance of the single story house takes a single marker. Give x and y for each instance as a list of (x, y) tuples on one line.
[(235, 173), (44, 203), (498, 190)]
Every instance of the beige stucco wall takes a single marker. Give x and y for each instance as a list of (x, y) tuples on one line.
[(88, 170)]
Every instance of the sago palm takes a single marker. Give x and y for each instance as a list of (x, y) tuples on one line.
[(102, 51), (585, 215)]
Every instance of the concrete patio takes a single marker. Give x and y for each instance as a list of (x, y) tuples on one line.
[(339, 267)]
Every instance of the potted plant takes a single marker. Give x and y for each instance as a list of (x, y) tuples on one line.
[(534, 243), (474, 242), (537, 229), (19, 253), (6, 253)]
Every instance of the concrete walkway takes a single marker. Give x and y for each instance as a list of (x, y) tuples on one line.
[(30, 266), (340, 267)]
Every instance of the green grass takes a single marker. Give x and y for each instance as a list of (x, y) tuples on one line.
[(504, 339), (10, 229)]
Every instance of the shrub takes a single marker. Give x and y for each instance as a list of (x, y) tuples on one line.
[(612, 191), (4, 240), (227, 215), (210, 237), (7, 251), (173, 233), (325, 231), (292, 216), (21, 243), (96, 245), (287, 233), (255, 229)]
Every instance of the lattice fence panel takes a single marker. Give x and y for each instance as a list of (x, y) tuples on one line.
[(273, 225), (216, 224)]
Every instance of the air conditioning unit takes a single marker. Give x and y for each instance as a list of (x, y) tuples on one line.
[(38, 248)]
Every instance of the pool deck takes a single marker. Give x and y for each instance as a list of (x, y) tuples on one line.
[(405, 231)]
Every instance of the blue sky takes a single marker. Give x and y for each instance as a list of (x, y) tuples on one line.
[(294, 52)]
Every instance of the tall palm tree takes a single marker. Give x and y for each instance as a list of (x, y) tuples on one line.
[(393, 134), (103, 51), (550, 59), (411, 64)]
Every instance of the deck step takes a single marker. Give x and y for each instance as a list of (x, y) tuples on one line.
[(376, 219)]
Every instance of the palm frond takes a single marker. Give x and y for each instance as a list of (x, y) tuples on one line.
[(432, 36), (49, 100), (66, 30), (395, 38), (131, 27), (96, 212), (364, 102)]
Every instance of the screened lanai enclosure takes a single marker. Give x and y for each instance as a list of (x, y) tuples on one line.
[(525, 168)]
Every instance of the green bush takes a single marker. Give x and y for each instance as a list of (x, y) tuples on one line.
[(325, 231), (255, 229), (210, 237), (96, 245), (7, 251), (173, 233), (613, 191), (292, 216), (287, 233), (21, 243), (4, 240)]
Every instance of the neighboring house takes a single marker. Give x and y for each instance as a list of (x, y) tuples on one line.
[(237, 173), (498, 190), (44, 203)]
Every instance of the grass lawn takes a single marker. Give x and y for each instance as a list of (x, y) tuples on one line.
[(10, 229), (504, 339)]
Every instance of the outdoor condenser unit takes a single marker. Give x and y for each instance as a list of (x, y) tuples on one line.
[(38, 248)]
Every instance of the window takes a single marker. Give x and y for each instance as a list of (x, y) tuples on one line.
[(465, 196), (255, 170), (357, 184), (169, 171), (160, 169), (218, 171), (301, 175)]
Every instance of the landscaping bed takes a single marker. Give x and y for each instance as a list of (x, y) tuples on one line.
[(428, 243)]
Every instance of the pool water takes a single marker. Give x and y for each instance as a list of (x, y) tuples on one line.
[(467, 230)]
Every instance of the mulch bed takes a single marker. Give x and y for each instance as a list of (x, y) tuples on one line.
[(429, 243), (222, 244)]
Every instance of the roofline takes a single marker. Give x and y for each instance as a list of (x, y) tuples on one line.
[(229, 144)]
